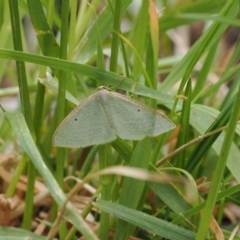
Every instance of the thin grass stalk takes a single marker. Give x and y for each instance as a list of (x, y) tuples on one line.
[(221, 165), (115, 37), (61, 152), (26, 109)]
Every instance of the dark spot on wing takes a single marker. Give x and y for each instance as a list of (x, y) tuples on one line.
[(138, 110), (75, 119)]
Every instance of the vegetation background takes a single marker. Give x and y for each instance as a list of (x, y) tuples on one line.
[(180, 56)]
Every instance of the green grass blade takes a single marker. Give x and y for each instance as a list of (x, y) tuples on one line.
[(145, 221), (46, 39), (25, 105), (202, 77), (133, 188), (89, 71), (10, 233), (115, 38), (138, 37), (184, 130), (203, 146)]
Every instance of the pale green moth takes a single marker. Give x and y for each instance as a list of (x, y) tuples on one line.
[(105, 114)]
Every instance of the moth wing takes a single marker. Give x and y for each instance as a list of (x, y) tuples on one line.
[(133, 120), (86, 125)]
